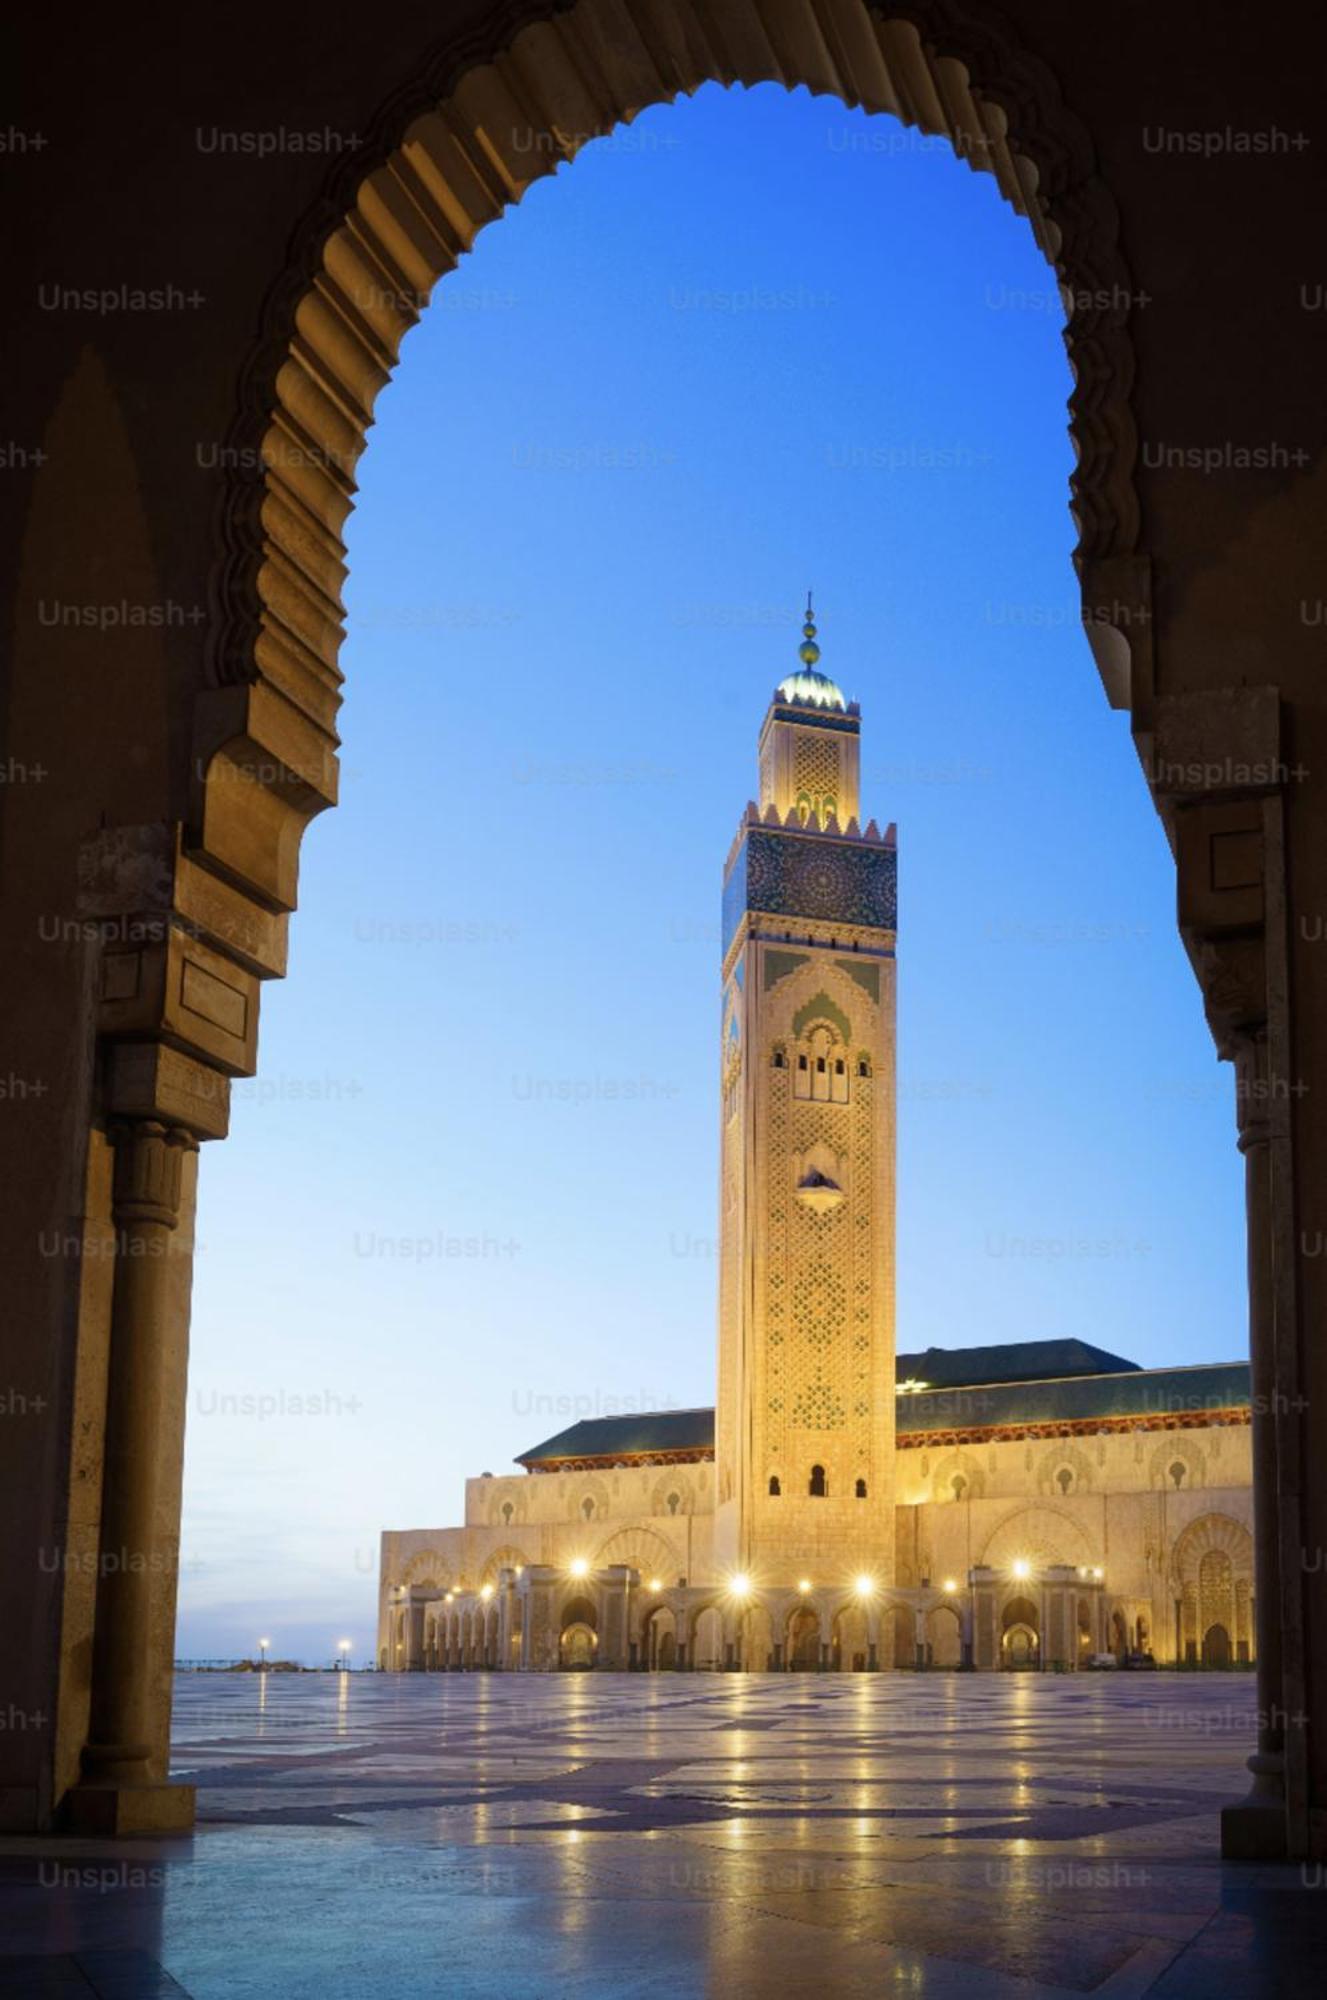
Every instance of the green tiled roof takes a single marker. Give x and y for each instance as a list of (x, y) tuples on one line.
[(1137, 1392), (967, 1400), (624, 1437), (1016, 1361)]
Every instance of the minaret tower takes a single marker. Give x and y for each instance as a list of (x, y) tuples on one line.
[(805, 1420)]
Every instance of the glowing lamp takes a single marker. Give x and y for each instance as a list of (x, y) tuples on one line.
[(863, 1585), (949, 1586), (1021, 1567), (579, 1566), (739, 1585), (804, 1584)]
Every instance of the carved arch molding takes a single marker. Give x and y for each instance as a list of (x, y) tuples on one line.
[(477, 125)]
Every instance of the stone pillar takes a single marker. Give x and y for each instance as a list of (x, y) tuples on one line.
[(118, 1792), (1233, 909), (541, 1632), (985, 1617), (615, 1650), (1255, 1828)]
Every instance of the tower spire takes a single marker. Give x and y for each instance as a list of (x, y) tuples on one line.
[(808, 651)]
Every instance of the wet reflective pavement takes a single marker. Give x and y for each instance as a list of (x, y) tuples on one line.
[(681, 1834)]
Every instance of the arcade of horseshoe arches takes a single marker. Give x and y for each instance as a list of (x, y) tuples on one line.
[(176, 779)]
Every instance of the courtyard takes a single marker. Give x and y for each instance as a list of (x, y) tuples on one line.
[(591, 1835)]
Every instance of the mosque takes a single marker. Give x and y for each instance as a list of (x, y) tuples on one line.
[(1043, 1504)]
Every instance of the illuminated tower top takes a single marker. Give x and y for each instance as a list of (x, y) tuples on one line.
[(810, 749)]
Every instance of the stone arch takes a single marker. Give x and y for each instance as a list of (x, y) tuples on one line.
[(1211, 1532), (1184, 1452), (754, 1628), (675, 1481), (440, 163), (852, 1635), (1211, 1570), (427, 1567), (1042, 1535), (801, 1636), (658, 1636), (958, 1476), (507, 1557), (593, 1490), (508, 1509), (1020, 1631), (1064, 1469), (644, 1550), (944, 1636), (708, 1635)]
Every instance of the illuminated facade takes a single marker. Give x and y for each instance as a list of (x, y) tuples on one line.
[(1039, 1504)]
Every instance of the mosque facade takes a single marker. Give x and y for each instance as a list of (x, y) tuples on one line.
[(1041, 1504)]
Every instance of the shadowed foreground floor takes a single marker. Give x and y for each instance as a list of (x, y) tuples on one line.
[(588, 1835)]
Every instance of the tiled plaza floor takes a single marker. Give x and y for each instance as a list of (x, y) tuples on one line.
[(968, 1836)]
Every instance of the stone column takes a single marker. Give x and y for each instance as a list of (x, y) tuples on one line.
[(118, 1792), (1255, 1828)]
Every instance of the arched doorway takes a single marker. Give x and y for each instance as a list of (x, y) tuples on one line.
[(578, 1639), (803, 1644), (707, 1649), (850, 1644), (1216, 1647), (1020, 1635), (1212, 1585), (755, 1639), (659, 1639), (944, 1636)]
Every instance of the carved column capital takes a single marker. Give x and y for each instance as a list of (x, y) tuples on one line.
[(1253, 1090), (149, 1164)]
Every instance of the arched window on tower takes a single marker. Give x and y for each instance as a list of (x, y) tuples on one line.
[(822, 1072), (774, 1487), (587, 1508), (817, 1486), (860, 1489)]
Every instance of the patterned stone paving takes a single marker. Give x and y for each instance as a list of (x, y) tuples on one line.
[(971, 1837)]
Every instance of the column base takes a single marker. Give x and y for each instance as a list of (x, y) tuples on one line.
[(1254, 1830), (114, 1810)]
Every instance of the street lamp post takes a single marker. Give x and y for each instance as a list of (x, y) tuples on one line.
[(343, 1655), (263, 1645)]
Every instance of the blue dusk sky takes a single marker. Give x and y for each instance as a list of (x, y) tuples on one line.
[(753, 343)]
